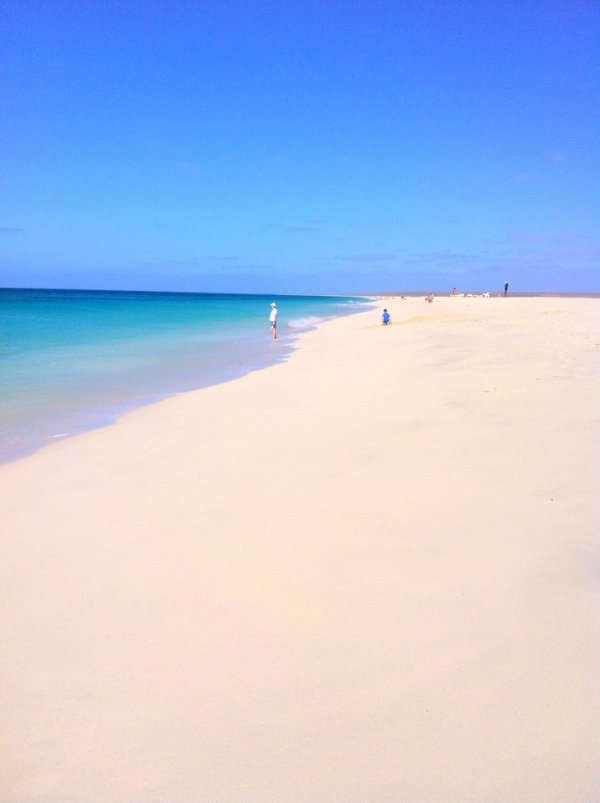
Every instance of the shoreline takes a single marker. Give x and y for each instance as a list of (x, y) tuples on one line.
[(365, 573), (107, 416), (249, 351)]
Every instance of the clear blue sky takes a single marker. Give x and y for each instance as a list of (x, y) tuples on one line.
[(309, 146)]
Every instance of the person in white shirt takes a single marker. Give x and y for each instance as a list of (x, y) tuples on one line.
[(273, 319)]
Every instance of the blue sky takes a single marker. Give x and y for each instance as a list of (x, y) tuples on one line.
[(303, 146)]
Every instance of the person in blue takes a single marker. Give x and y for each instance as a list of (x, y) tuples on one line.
[(386, 318)]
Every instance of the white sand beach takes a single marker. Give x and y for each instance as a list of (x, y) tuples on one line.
[(368, 574)]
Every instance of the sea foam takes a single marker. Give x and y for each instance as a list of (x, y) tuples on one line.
[(307, 322)]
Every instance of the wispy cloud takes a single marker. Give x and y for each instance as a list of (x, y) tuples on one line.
[(556, 157), (562, 256), (536, 238), (310, 227), (302, 229), (547, 239), (440, 257), (187, 263), (370, 256), (522, 179), (190, 169), (202, 265)]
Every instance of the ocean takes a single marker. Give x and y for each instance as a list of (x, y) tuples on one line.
[(74, 360)]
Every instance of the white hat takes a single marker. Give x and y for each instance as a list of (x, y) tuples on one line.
[(273, 304)]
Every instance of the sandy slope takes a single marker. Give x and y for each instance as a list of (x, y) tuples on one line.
[(367, 574)]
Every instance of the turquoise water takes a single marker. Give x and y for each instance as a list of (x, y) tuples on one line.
[(73, 360)]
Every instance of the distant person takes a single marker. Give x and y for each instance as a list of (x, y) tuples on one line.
[(386, 318), (273, 319), (454, 292), (429, 298), (505, 289)]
